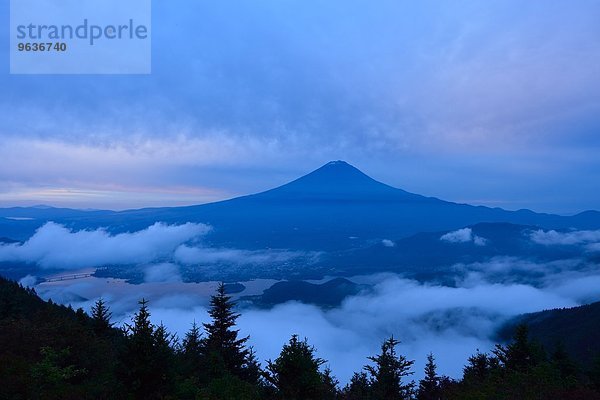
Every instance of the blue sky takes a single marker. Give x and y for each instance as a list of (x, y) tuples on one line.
[(488, 102)]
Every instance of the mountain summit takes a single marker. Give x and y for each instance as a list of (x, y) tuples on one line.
[(336, 175), (338, 180), (335, 207)]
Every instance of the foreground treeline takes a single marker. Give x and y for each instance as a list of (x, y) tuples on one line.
[(48, 351)]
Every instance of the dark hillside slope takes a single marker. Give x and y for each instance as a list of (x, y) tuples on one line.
[(328, 294), (427, 253), (51, 351), (578, 329)]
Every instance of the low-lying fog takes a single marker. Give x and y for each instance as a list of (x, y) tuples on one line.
[(450, 321)]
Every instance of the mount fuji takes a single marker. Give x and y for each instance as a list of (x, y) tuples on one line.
[(335, 207)]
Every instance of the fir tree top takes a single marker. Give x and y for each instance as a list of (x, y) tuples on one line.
[(221, 342)]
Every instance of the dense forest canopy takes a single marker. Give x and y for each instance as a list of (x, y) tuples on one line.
[(49, 351)]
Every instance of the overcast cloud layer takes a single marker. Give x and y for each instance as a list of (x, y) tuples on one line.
[(493, 102)]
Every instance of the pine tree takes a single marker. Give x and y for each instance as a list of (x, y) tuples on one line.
[(225, 352), (101, 317), (191, 352), (141, 332), (359, 387), (478, 368), (521, 354), (330, 385), (295, 373), (51, 375), (567, 369), (81, 316), (145, 360), (252, 372), (429, 386), (164, 357), (192, 342), (388, 371)]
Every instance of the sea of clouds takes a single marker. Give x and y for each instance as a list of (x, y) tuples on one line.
[(54, 246), (450, 320)]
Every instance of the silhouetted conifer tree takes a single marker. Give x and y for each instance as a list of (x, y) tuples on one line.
[(388, 371), (359, 387), (192, 342), (252, 372), (146, 356), (521, 353), (429, 386), (191, 352), (164, 356), (478, 368), (101, 317), (50, 376), (565, 366), (330, 385), (224, 351), (295, 373)]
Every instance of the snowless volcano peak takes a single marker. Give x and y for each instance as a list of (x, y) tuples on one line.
[(339, 180)]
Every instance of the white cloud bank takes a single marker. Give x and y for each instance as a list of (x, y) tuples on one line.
[(464, 235), (591, 239), (190, 255), (55, 246), (452, 322), (159, 250), (28, 281)]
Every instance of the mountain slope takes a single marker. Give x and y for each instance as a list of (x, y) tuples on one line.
[(41, 342), (339, 207), (340, 181), (334, 207), (426, 255), (575, 328), (328, 294)]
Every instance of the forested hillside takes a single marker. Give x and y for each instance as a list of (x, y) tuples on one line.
[(49, 351), (576, 329)]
